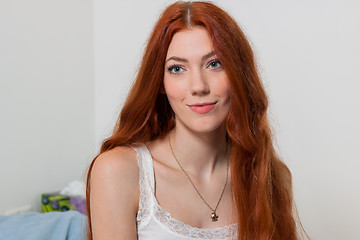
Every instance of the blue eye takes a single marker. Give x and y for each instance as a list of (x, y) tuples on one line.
[(175, 69), (215, 64)]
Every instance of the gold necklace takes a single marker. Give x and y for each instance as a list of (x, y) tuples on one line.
[(214, 216)]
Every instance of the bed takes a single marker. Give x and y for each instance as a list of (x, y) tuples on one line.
[(70, 225)]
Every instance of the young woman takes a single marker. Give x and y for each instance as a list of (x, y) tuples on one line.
[(191, 156)]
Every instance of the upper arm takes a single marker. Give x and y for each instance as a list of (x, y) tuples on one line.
[(114, 194)]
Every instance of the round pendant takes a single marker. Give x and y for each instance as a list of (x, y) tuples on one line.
[(214, 217)]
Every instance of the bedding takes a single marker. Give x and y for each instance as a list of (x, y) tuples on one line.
[(70, 225)]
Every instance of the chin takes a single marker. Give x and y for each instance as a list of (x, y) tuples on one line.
[(202, 127), (203, 124)]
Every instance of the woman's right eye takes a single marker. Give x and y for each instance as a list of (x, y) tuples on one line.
[(175, 69)]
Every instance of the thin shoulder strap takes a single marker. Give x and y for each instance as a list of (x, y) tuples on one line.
[(146, 184), (145, 163)]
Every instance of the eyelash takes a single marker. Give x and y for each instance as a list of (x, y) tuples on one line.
[(215, 61), (172, 67)]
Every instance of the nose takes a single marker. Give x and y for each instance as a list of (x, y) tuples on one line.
[(198, 84)]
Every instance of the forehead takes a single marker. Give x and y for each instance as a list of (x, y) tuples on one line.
[(190, 43)]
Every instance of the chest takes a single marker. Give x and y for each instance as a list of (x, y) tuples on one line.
[(193, 202)]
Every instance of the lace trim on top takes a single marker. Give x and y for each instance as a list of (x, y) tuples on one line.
[(149, 206), (228, 232), (146, 205)]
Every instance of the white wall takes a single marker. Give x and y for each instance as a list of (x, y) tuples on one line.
[(120, 32), (308, 54), (46, 97)]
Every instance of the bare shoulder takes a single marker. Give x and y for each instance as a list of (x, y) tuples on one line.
[(114, 193), (118, 169), (117, 164), (118, 160)]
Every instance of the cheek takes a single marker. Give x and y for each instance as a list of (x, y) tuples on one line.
[(222, 87), (174, 90)]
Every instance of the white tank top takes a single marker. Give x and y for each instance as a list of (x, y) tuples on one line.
[(154, 223)]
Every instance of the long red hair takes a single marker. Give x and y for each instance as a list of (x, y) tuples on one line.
[(261, 183)]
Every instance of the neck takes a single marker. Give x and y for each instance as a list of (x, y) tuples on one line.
[(200, 153)]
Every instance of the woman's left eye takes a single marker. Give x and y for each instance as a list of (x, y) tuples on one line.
[(215, 64)]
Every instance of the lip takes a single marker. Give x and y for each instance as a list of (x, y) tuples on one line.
[(202, 107)]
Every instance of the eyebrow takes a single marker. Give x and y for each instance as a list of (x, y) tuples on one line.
[(206, 56)]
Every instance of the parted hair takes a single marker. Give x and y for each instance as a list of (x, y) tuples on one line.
[(261, 182)]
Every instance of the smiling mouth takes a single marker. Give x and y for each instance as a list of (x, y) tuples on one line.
[(202, 107)]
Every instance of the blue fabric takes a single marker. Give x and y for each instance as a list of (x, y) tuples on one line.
[(68, 225)]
